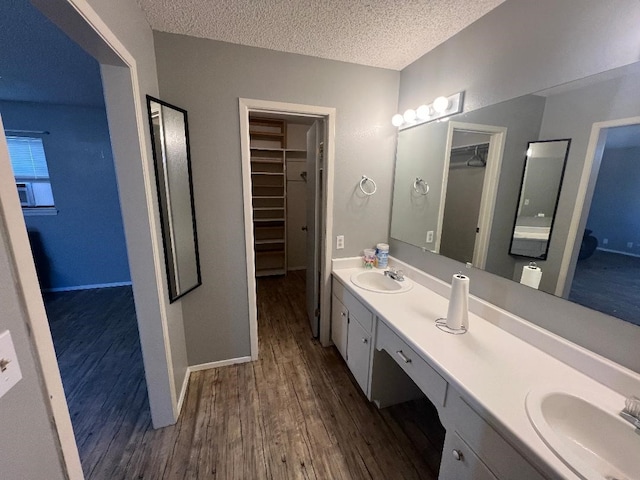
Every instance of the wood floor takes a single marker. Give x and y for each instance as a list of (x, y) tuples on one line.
[(608, 282), (295, 413)]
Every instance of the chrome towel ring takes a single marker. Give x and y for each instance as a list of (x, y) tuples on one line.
[(364, 180), (420, 186)]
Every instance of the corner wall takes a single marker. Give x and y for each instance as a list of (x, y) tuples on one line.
[(206, 78)]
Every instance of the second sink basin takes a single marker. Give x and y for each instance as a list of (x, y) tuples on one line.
[(377, 281), (594, 442)]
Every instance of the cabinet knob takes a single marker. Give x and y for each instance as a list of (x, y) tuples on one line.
[(343, 314), (365, 340), (457, 454)]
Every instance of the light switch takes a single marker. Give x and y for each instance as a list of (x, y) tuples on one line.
[(430, 236), (10, 373)]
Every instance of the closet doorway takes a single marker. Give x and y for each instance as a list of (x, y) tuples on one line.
[(471, 172), (287, 170)]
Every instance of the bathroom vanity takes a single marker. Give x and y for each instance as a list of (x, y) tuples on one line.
[(479, 381)]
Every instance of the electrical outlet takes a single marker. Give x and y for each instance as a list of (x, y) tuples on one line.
[(10, 373), (629, 244), (339, 242), (430, 236), (605, 241)]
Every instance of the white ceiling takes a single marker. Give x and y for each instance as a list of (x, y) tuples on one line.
[(379, 33)]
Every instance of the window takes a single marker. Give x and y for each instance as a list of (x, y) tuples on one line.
[(30, 171)]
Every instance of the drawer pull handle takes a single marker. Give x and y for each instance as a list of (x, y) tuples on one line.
[(457, 454), (404, 358), (365, 340)]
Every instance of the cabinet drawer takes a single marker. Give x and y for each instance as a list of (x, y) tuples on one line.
[(459, 462), (339, 315), (503, 460), (425, 377), (355, 307)]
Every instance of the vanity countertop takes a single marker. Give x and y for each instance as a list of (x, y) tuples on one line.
[(492, 368)]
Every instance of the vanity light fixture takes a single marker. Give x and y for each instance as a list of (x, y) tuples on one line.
[(441, 108)]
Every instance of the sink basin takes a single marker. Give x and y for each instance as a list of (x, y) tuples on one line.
[(594, 442), (377, 281)]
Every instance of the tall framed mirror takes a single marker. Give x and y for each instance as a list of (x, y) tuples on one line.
[(172, 161), (544, 166)]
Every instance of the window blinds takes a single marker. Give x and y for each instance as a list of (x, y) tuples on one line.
[(27, 158)]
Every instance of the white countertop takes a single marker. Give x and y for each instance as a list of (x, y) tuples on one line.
[(493, 369)]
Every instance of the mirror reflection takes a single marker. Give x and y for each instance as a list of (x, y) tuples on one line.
[(474, 166), (539, 193), (170, 142)]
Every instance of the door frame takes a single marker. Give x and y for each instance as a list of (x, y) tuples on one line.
[(586, 187), (246, 106), (497, 139), (82, 23)]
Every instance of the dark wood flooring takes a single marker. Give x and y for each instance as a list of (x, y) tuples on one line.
[(608, 282), (295, 413)]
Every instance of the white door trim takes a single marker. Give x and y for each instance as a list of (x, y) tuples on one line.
[(498, 136), (590, 170), (247, 105)]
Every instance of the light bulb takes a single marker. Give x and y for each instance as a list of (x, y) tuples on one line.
[(423, 112), (397, 120), (529, 152), (441, 104), (409, 115)]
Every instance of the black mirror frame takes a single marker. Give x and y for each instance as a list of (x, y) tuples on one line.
[(557, 200), (163, 213)]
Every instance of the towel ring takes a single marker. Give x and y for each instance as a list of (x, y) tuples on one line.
[(364, 180), (425, 186)]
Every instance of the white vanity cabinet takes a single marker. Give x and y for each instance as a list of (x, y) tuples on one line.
[(351, 332), (474, 450)]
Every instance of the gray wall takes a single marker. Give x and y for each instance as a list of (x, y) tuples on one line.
[(29, 447), (206, 78), (518, 48), (615, 209), (85, 240)]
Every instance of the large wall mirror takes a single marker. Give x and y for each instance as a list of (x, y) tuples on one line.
[(474, 166), (170, 141), (539, 192)]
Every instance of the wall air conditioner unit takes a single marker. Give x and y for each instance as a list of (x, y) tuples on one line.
[(25, 192)]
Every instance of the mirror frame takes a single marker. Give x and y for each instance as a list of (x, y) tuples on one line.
[(164, 198), (557, 199)]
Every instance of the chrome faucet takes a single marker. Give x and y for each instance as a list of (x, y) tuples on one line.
[(395, 274), (631, 412)]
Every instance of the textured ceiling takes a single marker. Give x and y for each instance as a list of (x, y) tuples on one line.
[(39, 63), (380, 33)]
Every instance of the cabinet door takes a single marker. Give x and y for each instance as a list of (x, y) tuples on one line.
[(358, 352), (459, 462), (339, 316)]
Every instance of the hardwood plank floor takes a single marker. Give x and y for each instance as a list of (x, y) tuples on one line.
[(295, 413)]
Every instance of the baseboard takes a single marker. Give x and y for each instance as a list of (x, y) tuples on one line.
[(221, 363), (87, 287), (628, 254), (183, 390)]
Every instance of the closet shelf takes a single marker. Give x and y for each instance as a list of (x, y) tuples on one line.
[(273, 241), (268, 173), (262, 209), (263, 220)]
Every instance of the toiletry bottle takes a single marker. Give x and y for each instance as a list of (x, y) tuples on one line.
[(382, 255)]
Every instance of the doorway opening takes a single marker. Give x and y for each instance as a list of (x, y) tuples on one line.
[(287, 161), (470, 179), (606, 246)]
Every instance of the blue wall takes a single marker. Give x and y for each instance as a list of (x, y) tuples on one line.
[(615, 209), (85, 241)]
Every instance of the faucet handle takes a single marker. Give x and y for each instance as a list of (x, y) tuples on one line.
[(632, 406)]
